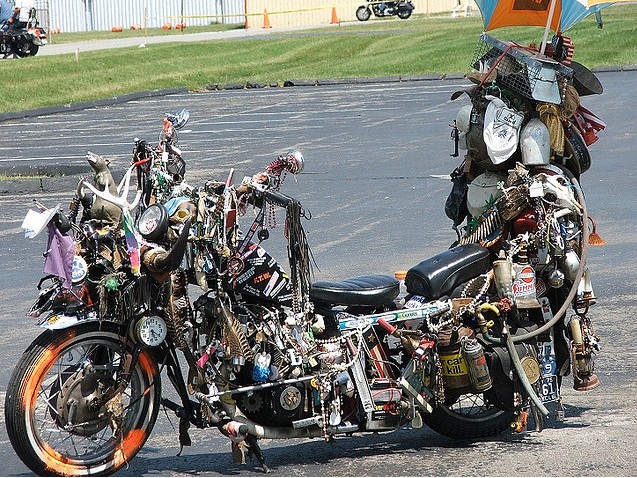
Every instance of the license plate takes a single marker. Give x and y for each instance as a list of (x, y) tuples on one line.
[(549, 391)]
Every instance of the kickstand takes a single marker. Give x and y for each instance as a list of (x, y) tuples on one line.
[(559, 412), (255, 449)]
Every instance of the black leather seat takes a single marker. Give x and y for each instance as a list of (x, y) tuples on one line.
[(437, 276), (363, 290)]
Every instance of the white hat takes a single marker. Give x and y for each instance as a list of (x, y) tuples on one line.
[(501, 127)]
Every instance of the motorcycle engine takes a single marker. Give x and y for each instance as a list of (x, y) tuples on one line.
[(266, 345)]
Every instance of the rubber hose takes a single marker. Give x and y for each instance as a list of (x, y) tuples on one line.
[(523, 378)]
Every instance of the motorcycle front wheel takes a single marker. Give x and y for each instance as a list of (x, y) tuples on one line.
[(468, 416), (55, 417), (363, 13)]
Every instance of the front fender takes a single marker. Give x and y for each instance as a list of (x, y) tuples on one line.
[(60, 320)]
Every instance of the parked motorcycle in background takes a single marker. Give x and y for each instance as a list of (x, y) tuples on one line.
[(23, 38), (385, 9)]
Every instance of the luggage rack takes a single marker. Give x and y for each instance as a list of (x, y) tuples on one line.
[(522, 70)]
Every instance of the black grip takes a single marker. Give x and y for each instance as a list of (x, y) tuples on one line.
[(279, 199)]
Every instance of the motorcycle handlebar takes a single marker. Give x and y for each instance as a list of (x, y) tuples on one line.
[(278, 198)]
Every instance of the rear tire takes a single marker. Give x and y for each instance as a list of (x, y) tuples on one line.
[(27, 49), (55, 419), (404, 14), (468, 417), (33, 50), (363, 13)]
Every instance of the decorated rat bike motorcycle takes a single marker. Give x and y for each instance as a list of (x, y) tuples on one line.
[(480, 340)]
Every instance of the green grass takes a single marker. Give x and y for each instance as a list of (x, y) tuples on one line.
[(377, 48), (59, 38)]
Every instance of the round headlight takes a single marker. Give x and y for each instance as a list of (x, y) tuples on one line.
[(153, 222)]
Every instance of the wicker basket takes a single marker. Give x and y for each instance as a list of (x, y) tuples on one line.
[(522, 70)]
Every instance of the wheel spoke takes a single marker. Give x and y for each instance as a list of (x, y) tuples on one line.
[(468, 416), (470, 405)]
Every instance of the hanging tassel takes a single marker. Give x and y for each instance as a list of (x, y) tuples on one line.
[(595, 239), (551, 117), (571, 101)]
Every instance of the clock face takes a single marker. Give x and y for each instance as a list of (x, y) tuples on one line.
[(152, 330)]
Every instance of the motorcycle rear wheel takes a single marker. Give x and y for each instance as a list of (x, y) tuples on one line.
[(363, 13), (24, 50), (53, 414), (404, 14), (33, 50), (468, 416)]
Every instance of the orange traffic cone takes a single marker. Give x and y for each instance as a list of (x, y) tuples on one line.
[(266, 20), (334, 17)]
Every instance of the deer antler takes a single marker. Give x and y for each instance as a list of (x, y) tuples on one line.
[(124, 187)]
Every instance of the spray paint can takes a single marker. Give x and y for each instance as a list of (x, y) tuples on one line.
[(477, 367)]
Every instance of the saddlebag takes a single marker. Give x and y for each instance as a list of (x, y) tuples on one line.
[(439, 275)]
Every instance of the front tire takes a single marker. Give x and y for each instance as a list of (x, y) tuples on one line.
[(363, 13), (54, 417), (468, 417)]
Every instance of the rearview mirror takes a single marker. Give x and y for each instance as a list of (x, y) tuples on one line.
[(179, 118)]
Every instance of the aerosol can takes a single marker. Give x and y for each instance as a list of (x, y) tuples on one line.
[(477, 367)]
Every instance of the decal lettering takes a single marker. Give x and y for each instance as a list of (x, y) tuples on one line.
[(453, 365), (245, 276), (523, 289), (261, 278), (256, 261), (251, 290)]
